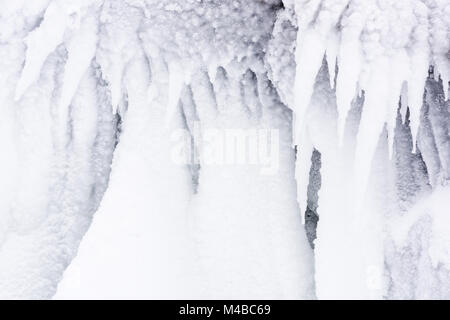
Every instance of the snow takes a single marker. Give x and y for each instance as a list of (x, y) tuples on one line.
[(124, 128), (383, 49), (138, 230), (186, 240), (56, 158)]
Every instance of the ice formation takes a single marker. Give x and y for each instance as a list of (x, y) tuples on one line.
[(373, 53), (344, 106)]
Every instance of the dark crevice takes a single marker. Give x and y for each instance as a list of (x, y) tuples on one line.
[(315, 181)]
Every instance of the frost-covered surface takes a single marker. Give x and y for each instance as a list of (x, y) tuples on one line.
[(97, 95)]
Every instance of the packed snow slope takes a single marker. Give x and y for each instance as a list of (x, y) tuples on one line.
[(187, 149)]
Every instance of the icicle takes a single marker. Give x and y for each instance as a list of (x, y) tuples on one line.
[(397, 75), (177, 80), (212, 71), (416, 84), (331, 55), (349, 68), (308, 57), (350, 58), (419, 63), (203, 94), (81, 49), (306, 11), (302, 168), (439, 28), (310, 50), (370, 128), (40, 43), (326, 23), (404, 101), (443, 69), (59, 17)]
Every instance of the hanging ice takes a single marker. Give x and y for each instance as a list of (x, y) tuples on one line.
[(224, 125)]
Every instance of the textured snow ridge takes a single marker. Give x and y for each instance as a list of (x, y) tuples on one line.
[(109, 186)]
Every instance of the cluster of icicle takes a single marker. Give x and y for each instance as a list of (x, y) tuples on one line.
[(382, 47), (92, 79), (83, 80), (57, 135), (382, 117)]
